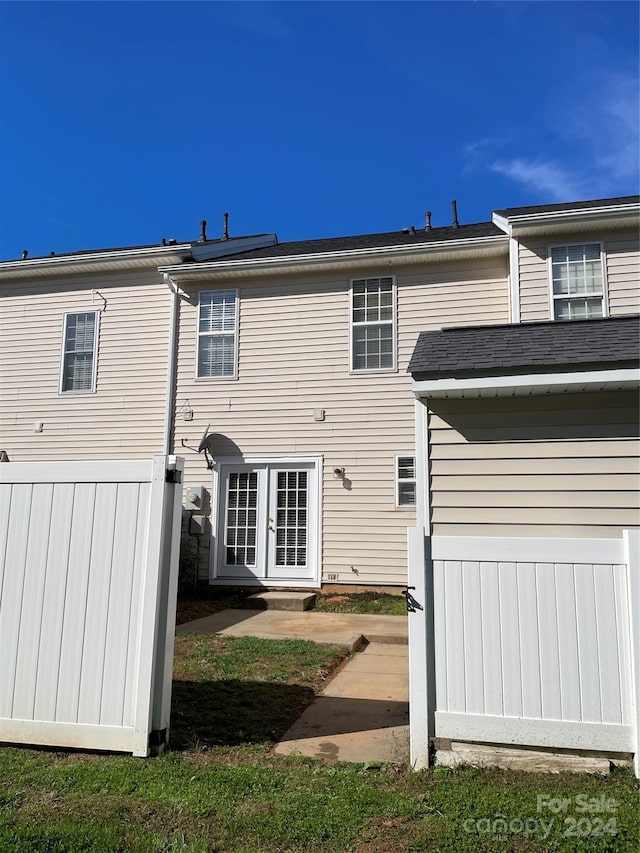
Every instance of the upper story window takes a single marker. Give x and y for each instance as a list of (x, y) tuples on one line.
[(217, 334), (405, 481), (577, 278), (79, 353), (373, 324)]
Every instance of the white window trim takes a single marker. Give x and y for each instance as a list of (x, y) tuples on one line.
[(605, 283), (235, 335), (413, 480), (94, 372), (394, 323)]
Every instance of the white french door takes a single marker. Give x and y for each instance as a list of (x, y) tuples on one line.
[(267, 526)]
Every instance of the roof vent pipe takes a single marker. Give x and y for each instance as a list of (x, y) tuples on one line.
[(454, 209), (25, 252), (203, 231), (225, 233), (427, 221)]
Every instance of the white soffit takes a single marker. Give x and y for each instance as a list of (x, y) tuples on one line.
[(527, 384)]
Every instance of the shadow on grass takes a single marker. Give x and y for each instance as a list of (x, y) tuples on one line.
[(232, 712)]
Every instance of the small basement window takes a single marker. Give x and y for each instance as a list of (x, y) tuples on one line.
[(79, 353), (577, 280), (405, 481)]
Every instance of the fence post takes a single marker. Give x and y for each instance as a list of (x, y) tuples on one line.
[(166, 629), (632, 549), (421, 649), (149, 608)]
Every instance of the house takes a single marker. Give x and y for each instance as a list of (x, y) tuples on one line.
[(284, 367)]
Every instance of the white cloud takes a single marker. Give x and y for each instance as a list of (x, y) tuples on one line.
[(590, 146), (546, 178)]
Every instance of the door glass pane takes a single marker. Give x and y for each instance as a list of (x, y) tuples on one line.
[(240, 530), (291, 518)]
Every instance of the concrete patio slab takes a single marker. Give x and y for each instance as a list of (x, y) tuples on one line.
[(345, 629)]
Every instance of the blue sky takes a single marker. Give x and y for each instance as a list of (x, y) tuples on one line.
[(122, 123)]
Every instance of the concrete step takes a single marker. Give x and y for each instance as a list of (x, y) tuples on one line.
[(274, 600)]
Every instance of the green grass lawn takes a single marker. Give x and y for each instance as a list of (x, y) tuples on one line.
[(361, 602), (221, 789)]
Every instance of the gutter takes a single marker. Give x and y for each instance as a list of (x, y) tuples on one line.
[(172, 350), (575, 213), (533, 383), (53, 262), (187, 271)]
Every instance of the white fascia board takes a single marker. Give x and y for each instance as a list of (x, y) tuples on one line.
[(527, 382), (55, 264), (205, 252), (501, 223), (370, 254), (576, 215)]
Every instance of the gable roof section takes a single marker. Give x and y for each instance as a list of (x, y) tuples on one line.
[(527, 348)]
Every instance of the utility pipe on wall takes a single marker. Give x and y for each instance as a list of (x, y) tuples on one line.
[(170, 394)]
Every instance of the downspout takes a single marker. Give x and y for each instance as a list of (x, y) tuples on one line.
[(514, 267), (170, 394), (514, 278)]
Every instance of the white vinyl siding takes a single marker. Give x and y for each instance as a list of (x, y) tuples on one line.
[(405, 481), (79, 353), (577, 281), (373, 324), (217, 334)]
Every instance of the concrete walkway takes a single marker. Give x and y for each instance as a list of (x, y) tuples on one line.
[(363, 713)]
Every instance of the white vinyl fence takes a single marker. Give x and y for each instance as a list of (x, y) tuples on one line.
[(526, 641), (88, 582)]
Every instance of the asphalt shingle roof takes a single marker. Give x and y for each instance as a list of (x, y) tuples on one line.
[(527, 348), (568, 205), (369, 241)]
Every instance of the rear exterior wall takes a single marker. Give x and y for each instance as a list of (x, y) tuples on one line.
[(294, 359), (622, 271), (124, 418)]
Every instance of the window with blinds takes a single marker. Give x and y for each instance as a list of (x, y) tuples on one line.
[(79, 353), (577, 281), (373, 324), (217, 334), (405, 481)]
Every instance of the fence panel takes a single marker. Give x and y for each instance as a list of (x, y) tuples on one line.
[(535, 651), (88, 565)]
